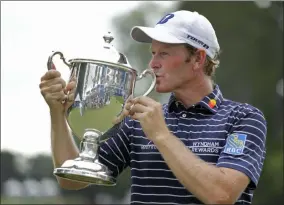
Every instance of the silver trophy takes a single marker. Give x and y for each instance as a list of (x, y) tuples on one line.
[(103, 85)]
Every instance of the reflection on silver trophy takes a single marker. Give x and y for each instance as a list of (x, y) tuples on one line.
[(103, 85)]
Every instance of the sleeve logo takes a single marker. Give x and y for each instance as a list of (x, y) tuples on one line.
[(235, 144)]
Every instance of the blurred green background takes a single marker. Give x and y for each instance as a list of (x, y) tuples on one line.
[(251, 38)]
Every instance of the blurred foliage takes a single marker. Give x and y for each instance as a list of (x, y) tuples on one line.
[(8, 169), (251, 40), (40, 166)]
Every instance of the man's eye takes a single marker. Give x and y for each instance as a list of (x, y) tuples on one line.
[(164, 53)]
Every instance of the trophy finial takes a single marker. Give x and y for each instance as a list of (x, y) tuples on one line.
[(108, 37)]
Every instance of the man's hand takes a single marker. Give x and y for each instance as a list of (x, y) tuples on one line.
[(151, 117), (54, 90), (125, 111)]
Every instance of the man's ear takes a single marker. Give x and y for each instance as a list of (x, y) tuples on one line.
[(199, 59)]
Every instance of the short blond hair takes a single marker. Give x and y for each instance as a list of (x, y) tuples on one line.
[(210, 64)]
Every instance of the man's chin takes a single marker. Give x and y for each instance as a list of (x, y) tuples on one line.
[(160, 89)]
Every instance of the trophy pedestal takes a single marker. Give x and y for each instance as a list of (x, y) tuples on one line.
[(86, 167), (85, 171)]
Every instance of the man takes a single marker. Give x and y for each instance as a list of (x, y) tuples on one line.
[(197, 148)]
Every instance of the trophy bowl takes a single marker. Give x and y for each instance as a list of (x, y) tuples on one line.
[(103, 85)]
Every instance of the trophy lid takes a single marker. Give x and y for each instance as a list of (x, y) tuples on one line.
[(105, 52), (108, 53)]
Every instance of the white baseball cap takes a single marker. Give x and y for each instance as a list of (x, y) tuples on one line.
[(181, 27)]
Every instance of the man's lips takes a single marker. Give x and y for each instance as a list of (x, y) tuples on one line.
[(159, 78)]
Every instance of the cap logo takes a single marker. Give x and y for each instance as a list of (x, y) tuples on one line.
[(166, 18), (198, 41)]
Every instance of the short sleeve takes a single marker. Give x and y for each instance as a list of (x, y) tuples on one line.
[(115, 151), (245, 146)]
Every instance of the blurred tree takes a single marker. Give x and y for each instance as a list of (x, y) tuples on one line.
[(8, 168), (41, 166)]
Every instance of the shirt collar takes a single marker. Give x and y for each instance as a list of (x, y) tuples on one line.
[(210, 102)]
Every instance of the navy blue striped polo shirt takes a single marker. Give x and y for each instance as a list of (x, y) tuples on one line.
[(230, 134)]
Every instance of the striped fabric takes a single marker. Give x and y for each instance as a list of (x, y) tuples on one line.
[(210, 133)]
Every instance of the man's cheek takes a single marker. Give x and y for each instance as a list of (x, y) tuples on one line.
[(177, 62)]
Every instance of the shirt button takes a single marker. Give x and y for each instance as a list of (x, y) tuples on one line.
[(183, 115)]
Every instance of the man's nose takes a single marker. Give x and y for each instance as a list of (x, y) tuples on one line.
[(154, 64)]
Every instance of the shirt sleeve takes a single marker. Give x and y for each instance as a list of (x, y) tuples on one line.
[(115, 151), (245, 146)]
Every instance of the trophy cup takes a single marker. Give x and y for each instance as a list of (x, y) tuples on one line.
[(103, 85)]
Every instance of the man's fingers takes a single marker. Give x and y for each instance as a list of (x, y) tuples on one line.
[(59, 96), (50, 75), (138, 108), (70, 86), (124, 112), (71, 97), (128, 105), (51, 89), (146, 101), (55, 81), (137, 116), (120, 117)]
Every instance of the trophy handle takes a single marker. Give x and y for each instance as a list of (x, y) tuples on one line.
[(50, 65), (143, 74)]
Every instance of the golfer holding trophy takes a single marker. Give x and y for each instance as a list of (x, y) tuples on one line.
[(198, 148)]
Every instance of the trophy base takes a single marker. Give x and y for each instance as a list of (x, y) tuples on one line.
[(85, 171)]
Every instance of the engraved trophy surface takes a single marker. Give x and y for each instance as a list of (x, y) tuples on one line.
[(103, 85)]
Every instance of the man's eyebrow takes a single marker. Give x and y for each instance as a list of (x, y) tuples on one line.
[(164, 47)]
